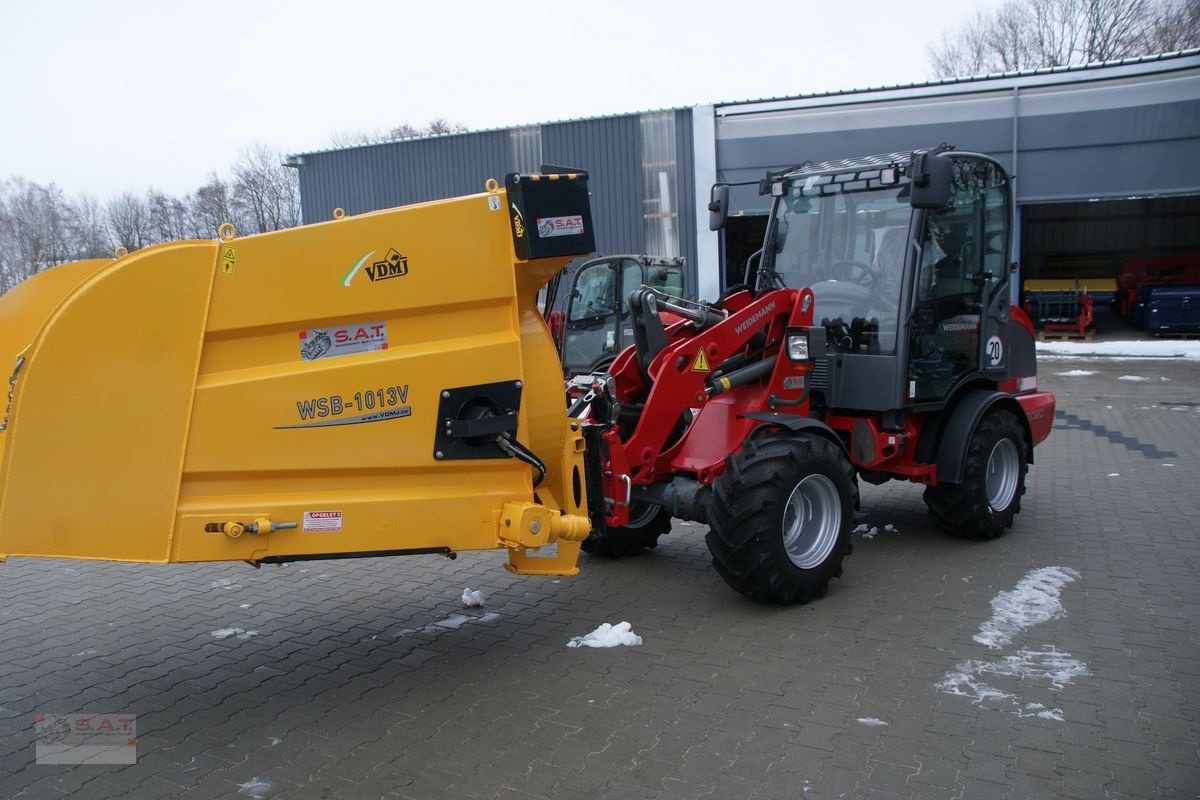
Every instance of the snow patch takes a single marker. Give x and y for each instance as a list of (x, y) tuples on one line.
[(866, 531), (245, 605), (224, 583), (255, 787), (1114, 475), (1151, 349), (225, 633), (1034, 600), (871, 722), (276, 741), (608, 635), (472, 598), (1135, 378), (88, 652), (1050, 668), (1076, 373)]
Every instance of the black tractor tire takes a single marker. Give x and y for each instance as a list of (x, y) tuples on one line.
[(757, 530), (984, 504), (631, 540)]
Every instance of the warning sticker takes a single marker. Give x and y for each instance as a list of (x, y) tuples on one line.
[(560, 226), (228, 259), (701, 363), (344, 341), (322, 521)]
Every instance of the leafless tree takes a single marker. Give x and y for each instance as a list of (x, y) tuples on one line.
[(1178, 28), (33, 229), (1029, 34), (128, 222), (264, 191), (167, 218), (405, 130), (212, 206), (89, 228), (441, 125)]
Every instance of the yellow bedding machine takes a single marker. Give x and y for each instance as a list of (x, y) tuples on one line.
[(381, 384)]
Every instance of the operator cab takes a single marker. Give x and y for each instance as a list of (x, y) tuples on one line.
[(597, 322), (907, 258)]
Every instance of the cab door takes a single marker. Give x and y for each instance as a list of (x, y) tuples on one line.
[(962, 288)]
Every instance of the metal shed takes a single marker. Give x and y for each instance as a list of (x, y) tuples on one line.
[(1106, 158)]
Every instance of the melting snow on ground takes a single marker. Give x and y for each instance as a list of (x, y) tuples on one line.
[(224, 583), (472, 598), (608, 635), (1048, 669), (1114, 474), (241, 633), (871, 531), (1033, 601), (255, 787), (1076, 373), (871, 722), (1134, 378), (1146, 349)]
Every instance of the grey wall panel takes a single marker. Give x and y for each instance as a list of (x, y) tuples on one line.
[(1145, 150), (397, 173), (745, 158), (609, 149), (686, 190)]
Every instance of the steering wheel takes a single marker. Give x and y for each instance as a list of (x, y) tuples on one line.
[(854, 272)]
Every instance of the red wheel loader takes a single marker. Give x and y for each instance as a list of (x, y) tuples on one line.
[(874, 339)]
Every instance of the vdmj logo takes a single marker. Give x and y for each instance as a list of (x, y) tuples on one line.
[(393, 265)]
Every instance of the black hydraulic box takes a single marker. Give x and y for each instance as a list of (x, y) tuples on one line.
[(550, 215)]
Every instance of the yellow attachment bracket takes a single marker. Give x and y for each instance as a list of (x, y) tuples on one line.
[(529, 525)]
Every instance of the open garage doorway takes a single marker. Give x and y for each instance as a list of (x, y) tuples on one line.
[(1109, 248)]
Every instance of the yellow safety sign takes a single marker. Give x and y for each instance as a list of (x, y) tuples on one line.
[(228, 259), (701, 363)]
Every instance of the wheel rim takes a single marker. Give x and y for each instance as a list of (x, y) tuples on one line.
[(1003, 470), (641, 515), (812, 521)]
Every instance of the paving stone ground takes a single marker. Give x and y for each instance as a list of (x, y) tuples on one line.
[(369, 679)]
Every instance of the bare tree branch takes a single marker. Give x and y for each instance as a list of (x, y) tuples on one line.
[(1030, 34)]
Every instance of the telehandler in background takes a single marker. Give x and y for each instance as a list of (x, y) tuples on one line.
[(386, 385)]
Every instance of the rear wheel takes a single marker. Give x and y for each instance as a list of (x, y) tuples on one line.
[(984, 504), (780, 518), (646, 523)]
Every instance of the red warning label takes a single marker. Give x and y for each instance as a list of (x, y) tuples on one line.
[(322, 521)]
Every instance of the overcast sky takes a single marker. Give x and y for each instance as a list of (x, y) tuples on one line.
[(105, 97)]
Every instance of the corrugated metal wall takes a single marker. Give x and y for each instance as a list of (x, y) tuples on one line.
[(397, 173), (1100, 133)]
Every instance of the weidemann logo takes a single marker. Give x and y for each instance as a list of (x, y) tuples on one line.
[(755, 317)]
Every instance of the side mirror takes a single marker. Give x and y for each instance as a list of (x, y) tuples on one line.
[(931, 181), (718, 207)]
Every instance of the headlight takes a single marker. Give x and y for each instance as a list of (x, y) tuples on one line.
[(797, 346)]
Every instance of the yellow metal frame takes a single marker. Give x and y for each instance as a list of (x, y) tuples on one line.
[(164, 410)]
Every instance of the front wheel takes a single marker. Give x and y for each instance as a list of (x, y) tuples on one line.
[(780, 518), (984, 504), (646, 523)]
